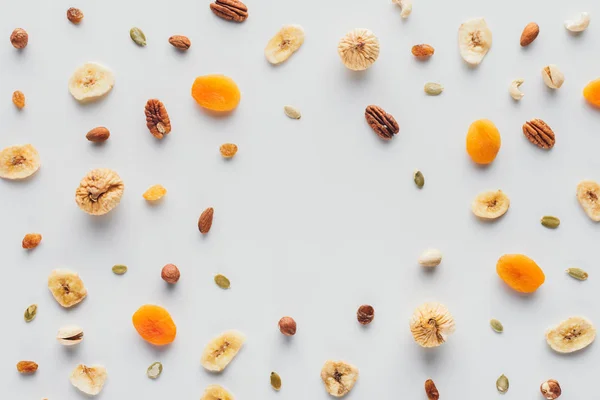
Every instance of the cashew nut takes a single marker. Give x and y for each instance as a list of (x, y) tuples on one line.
[(514, 91), (578, 25), (406, 6)]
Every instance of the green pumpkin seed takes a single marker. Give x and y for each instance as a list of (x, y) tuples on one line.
[(30, 313), (502, 384), (222, 281), (138, 36), (577, 273), (433, 89), (496, 325), (119, 269), (154, 370), (550, 222), (292, 112), (275, 381), (419, 179)]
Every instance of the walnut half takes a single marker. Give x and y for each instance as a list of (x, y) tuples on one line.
[(99, 191)]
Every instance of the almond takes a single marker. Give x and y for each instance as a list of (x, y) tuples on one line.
[(205, 220), (531, 31), (180, 42), (422, 50), (99, 134)]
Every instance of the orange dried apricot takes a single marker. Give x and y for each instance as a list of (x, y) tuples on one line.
[(591, 92), (154, 324), (520, 272), (483, 141), (216, 92)]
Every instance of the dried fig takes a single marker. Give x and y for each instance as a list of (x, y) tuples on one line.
[(99, 191)]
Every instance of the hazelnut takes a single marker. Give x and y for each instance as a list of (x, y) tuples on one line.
[(19, 38), (365, 314), (170, 273), (287, 326), (551, 389)]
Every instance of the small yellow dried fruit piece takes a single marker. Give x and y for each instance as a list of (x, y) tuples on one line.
[(18, 99), (228, 150), (431, 324), (154, 193)]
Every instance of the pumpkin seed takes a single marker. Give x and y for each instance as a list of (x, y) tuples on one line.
[(275, 381), (119, 269), (138, 36), (496, 325), (222, 281), (433, 89), (292, 112), (577, 273), (502, 384), (550, 222), (30, 313), (419, 179), (154, 370)]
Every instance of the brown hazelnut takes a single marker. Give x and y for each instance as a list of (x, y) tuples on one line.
[(170, 273), (19, 38), (551, 389), (287, 326), (365, 314)]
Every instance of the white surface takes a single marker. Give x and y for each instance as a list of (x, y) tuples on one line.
[(312, 217)]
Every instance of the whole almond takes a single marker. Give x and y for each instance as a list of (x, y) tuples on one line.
[(422, 50), (531, 31), (205, 220), (98, 134), (180, 42)]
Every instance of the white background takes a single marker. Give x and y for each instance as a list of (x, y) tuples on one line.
[(313, 217)]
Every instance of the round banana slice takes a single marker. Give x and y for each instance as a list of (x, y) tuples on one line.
[(359, 49), (216, 392), (19, 162), (66, 287), (490, 205), (91, 81), (431, 324), (285, 43), (220, 351), (90, 380), (571, 335), (474, 40), (339, 377), (588, 194)]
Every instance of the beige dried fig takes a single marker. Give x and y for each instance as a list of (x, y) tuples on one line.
[(431, 324), (99, 191), (359, 49)]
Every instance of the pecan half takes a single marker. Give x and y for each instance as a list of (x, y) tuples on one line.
[(382, 123), (157, 119), (231, 10), (539, 133)]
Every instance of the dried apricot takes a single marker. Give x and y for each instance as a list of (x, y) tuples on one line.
[(154, 324), (520, 272), (216, 92), (483, 141), (154, 193), (591, 92)]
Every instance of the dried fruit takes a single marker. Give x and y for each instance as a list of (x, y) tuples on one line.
[(157, 118), (18, 99), (19, 162), (205, 220), (275, 381), (30, 313), (99, 191), (75, 15), (422, 50), (154, 193), (231, 10), (19, 38), (551, 389), (552, 76), (66, 287), (490, 205), (359, 49), (339, 377), (119, 269), (170, 273), (90, 82), (31, 241), (405, 6), (27, 367), (539, 133), (216, 92), (588, 193), (530, 33), (137, 36), (483, 141), (98, 134), (431, 390), (577, 273), (431, 324), (365, 314), (228, 150), (419, 179), (222, 281), (580, 24), (69, 335), (571, 335), (180, 42), (221, 350), (474, 40), (430, 258), (433, 89), (292, 112), (502, 384), (382, 123), (520, 272), (550, 222), (591, 93), (90, 380), (285, 43), (154, 370), (287, 326), (154, 324), (216, 392), (514, 90), (497, 325)]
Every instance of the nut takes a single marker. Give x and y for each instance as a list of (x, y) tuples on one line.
[(551, 389), (539, 133), (69, 335), (231, 10), (180, 42), (74, 15), (205, 220), (157, 118), (552, 76), (431, 390), (430, 258), (514, 90), (287, 326), (382, 123), (422, 50), (18, 99), (365, 314), (99, 191), (98, 134), (19, 38), (27, 367), (228, 150), (580, 24), (170, 273), (531, 31), (31, 240)]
